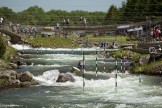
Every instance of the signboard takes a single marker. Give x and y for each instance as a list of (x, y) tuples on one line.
[(152, 50), (104, 45)]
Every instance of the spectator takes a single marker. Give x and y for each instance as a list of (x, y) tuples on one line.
[(1, 21), (81, 21), (67, 22), (159, 49), (84, 22), (57, 26), (63, 22), (34, 31)]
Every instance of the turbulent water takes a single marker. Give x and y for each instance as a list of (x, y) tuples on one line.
[(99, 90)]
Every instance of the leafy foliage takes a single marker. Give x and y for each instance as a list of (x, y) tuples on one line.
[(135, 11), (37, 16), (2, 47), (130, 11)]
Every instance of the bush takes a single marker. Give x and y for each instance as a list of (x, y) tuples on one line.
[(2, 47)]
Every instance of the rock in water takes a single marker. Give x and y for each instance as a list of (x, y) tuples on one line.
[(64, 77)]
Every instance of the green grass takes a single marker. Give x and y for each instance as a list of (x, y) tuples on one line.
[(71, 41), (148, 68), (119, 39), (133, 56), (51, 42), (10, 52)]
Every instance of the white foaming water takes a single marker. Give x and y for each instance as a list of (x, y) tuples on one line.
[(75, 49), (64, 57), (48, 77), (21, 47), (128, 90)]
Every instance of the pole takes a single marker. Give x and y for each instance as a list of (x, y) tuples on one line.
[(140, 63), (41, 45), (121, 62), (23, 46), (72, 45), (140, 80), (37, 47), (116, 75), (54, 42), (104, 58), (124, 61), (96, 63), (83, 70)]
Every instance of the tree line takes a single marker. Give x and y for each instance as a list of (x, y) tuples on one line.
[(130, 11), (37, 16), (135, 11)]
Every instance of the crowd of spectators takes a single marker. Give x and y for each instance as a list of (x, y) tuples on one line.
[(23, 30)]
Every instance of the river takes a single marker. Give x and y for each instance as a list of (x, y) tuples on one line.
[(99, 91)]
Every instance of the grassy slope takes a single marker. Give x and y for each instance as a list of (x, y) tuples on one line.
[(71, 41), (52, 42), (10, 52)]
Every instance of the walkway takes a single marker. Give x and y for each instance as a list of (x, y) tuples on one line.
[(15, 38)]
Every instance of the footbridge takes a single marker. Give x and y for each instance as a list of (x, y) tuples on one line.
[(90, 29), (15, 38)]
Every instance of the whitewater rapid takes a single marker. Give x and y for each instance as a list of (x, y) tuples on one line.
[(98, 92)]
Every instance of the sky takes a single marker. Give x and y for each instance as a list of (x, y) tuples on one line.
[(68, 5)]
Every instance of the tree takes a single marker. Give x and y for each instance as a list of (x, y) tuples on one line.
[(33, 15), (8, 14), (112, 14)]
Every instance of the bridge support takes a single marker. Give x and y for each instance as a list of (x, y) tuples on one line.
[(15, 38)]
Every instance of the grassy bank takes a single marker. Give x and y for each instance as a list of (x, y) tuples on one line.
[(5, 59), (52, 42), (153, 68), (73, 40), (9, 53)]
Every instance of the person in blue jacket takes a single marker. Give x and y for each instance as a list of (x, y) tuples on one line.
[(80, 65)]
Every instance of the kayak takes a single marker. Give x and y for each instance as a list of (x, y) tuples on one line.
[(76, 69)]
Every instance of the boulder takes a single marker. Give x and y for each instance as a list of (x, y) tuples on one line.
[(12, 79), (16, 83), (13, 66), (33, 82), (64, 77), (25, 84), (27, 76)]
